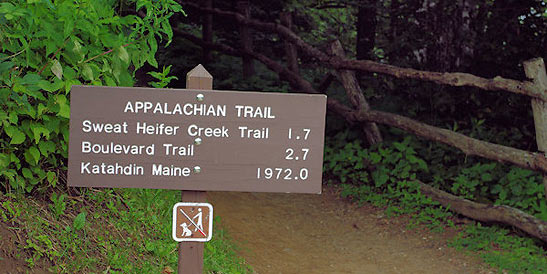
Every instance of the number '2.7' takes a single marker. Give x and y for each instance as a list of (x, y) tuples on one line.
[(304, 134)]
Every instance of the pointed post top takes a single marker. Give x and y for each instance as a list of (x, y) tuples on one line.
[(199, 71), (199, 78)]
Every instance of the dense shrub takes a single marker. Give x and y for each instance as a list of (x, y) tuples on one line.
[(46, 47)]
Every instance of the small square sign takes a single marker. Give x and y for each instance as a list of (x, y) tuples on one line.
[(192, 222)]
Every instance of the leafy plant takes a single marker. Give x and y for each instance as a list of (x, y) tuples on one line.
[(162, 78), (384, 175), (59, 205), (79, 221), (470, 181), (522, 189), (11, 211), (45, 48)]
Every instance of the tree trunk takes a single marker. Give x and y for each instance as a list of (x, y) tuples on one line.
[(243, 7), (207, 31), (466, 35), (366, 30), (394, 23), (355, 95), (290, 50)]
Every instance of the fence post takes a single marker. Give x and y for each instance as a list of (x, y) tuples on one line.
[(191, 253), (535, 71), (355, 94)]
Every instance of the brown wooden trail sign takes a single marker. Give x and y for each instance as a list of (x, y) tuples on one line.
[(196, 140)]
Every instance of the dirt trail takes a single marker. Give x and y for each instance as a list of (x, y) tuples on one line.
[(297, 233)]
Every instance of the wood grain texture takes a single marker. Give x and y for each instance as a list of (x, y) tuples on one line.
[(535, 71)]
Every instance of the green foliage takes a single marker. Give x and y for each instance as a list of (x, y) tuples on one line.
[(10, 211), (79, 221), (384, 175), (162, 78), (380, 165), (114, 231), (470, 180), (45, 48), (492, 183), (59, 205), (325, 24), (509, 253), (522, 189)]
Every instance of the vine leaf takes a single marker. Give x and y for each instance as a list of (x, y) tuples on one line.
[(57, 69), (17, 136), (79, 221), (123, 55), (32, 155), (87, 72)]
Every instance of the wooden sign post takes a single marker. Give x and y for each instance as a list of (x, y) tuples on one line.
[(196, 140), (191, 253)]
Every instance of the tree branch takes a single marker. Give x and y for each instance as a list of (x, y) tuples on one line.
[(54, 55), (488, 213)]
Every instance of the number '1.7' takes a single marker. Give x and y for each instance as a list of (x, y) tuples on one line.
[(299, 135), (276, 173)]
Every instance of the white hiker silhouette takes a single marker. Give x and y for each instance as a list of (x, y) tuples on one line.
[(185, 231), (199, 222)]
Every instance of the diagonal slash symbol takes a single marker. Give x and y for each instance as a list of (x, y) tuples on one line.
[(189, 219)]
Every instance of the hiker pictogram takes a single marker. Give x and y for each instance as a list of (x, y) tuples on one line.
[(198, 221), (192, 222)]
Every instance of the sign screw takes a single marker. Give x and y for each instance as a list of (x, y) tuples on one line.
[(197, 169), (197, 141), (200, 97)]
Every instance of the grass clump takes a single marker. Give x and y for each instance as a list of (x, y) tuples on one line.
[(500, 248)]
